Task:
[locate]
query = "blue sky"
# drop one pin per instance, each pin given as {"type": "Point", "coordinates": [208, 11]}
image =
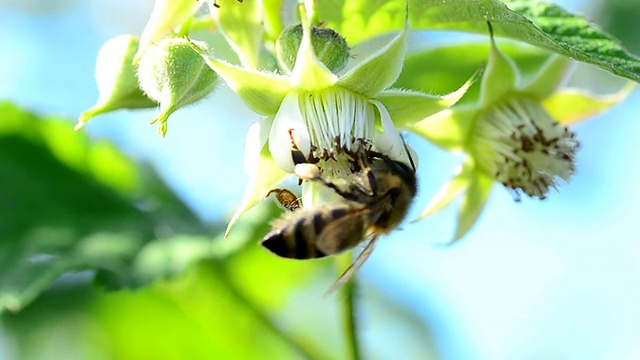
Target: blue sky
{"type": "Point", "coordinates": [536, 279]}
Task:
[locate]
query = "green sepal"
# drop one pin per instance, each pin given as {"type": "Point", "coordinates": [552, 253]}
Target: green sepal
{"type": "Point", "coordinates": [166, 16]}
{"type": "Point", "coordinates": [473, 202]}
{"type": "Point", "coordinates": [449, 191]}
{"type": "Point", "coordinates": [448, 129]}
{"type": "Point", "coordinates": [569, 106]}
{"type": "Point", "coordinates": [330, 48]}
{"type": "Point", "coordinates": [380, 70]}
{"type": "Point", "coordinates": [272, 17]}
{"type": "Point", "coordinates": [549, 77]}
{"type": "Point", "coordinates": [309, 73]}
{"type": "Point", "coordinates": [499, 78]}
{"type": "Point", "coordinates": [409, 107]}
{"type": "Point", "coordinates": [261, 91]}
{"type": "Point", "coordinates": [241, 25]}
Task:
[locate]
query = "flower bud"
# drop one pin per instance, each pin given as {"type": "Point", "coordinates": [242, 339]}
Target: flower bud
{"type": "Point", "coordinates": [116, 79]}
{"type": "Point", "coordinates": [330, 48]}
{"type": "Point", "coordinates": [173, 73]}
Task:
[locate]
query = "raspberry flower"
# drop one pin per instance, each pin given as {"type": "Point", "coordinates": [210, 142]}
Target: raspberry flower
{"type": "Point", "coordinates": [319, 112]}
{"type": "Point", "coordinates": [516, 134]}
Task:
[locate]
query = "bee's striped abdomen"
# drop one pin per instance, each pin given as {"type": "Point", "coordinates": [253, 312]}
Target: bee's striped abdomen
{"type": "Point", "coordinates": [296, 238]}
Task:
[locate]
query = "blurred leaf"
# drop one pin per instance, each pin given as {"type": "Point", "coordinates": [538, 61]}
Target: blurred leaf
{"type": "Point", "coordinates": [535, 22]}
{"type": "Point", "coordinates": [620, 17]}
{"type": "Point", "coordinates": [67, 204]}
{"type": "Point", "coordinates": [195, 316]}
{"type": "Point", "coordinates": [200, 314]}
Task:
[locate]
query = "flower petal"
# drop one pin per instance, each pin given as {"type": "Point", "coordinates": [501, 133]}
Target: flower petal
{"type": "Point", "coordinates": [448, 129]}
{"type": "Point", "coordinates": [449, 191]}
{"type": "Point", "coordinates": [389, 141]}
{"type": "Point", "coordinates": [473, 203]}
{"type": "Point", "coordinates": [288, 124]}
{"type": "Point", "coordinates": [261, 91]}
{"type": "Point", "coordinates": [309, 73]}
{"type": "Point", "coordinates": [569, 106]}
{"type": "Point", "coordinates": [500, 76]}
{"type": "Point", "coordinates": [380, 70]}
{"type": "Point", "coordinates": [256, 138]}
{"type": "Point", "coordinates": [409, 107]}
{"type": "Point", "coordinates": [549, 77]}
{"type": "Point", "coordinates": [263, 177]}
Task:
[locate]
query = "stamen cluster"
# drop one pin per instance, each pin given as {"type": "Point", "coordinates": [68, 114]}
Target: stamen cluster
{"type": "Point", "coordinates": [524, 148]}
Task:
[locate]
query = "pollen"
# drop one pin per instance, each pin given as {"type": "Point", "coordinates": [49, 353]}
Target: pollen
{"type": "Point", "coordinates": [525, 149]}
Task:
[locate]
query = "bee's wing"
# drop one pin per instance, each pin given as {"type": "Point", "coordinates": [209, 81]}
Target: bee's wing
{"type": "Point", "coordinates": [347, 274]}
{"type": "Point", "coordinates": [344, 232]}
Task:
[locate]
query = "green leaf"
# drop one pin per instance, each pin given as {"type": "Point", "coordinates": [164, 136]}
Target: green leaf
{"type": "Point", "coordinates": [535, 22]}
{"type": "Point", "coordinates": [573, 36]}
{"type": "Point", "coordinates": [241, 25]}
{"type": "Point", "coordinates": [68, 205]}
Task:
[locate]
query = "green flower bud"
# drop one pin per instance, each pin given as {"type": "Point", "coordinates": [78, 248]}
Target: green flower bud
{"type": "Point", "coordinates": [173, 73]}
{"type": "Point", "coordinates": [330, 48]}
{"type": "Point", "coordinates": [116, 79]}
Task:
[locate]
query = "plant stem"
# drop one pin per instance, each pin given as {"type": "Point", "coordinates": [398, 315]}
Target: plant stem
{"type": "Point", "coordinates": [349, 313]}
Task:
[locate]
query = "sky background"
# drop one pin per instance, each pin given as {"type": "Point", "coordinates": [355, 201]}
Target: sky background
{"type": "Point", "coordinates": [537, 279]}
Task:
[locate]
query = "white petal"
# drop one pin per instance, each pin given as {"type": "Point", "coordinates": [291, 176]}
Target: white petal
{"type": "Point", "coordinates": [389, 142]}
{"type": "Point", "coordinates": [288, 123]}
{"type": "Point", "coordinates": [256, 137]}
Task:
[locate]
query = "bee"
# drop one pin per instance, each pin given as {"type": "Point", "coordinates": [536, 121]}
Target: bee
{"type": "Point", "coordinates": [375, 203]}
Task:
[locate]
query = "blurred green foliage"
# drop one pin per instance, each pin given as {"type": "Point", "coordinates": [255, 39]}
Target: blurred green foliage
{"type": "Point", "coordinates": [79, 220]}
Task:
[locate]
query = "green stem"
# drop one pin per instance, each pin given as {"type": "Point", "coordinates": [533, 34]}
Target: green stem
{"type": "Point", "coordinates": [350, 323]}
{"type": "Point", "coordinates": [349, 311]}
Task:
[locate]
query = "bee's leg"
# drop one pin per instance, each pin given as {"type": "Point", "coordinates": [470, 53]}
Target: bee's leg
{"type": "Point", "coordinates": [367, 182]}
{"type": "Point", "coordinates": [311, 172]}
{"type": "Point", "coordinates": [357, 263]}
{"type": "Point", "coordinates": [285, 198]}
